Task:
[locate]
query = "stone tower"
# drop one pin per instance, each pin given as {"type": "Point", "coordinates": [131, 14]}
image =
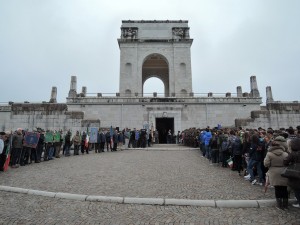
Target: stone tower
{"type": "Point", "coordinates": [155, 48]}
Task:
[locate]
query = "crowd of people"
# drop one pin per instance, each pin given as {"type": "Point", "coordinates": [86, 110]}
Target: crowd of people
{"type": "Point", "coordinates": [54, 144]}
{"type": "Point", "coordinates": [260, 155]}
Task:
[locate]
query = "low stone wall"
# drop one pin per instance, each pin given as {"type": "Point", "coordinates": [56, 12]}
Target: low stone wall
{"type": "Point", "coordinates": [45, 115]}
{"type": "Point", "coordinates": [277, 115]}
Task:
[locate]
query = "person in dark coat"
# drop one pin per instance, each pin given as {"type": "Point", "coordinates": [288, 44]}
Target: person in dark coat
{"type": "Point", "coordinates": [68, 143]}
{"type": "Point", "coordinates": [115, 140]}
{"type": "Point", "coordinates": [102, 140]}
{"type": "Point", "coordinates": [294, 157]}
{"type": "Point", "coordinates": [83, 140]}
{"type": "Point", "coordinates": [255, 160]}
{"type": "Point", "coordinates": [108, 140]}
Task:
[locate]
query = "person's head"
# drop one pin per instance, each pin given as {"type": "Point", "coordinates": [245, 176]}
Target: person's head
{"type": "Point", "coordinates": [280, 141]}
{"type": "Point", "coordinates": [290, 131]}
{"type": "Point", "coordinates": [2, 134]}
{"type": "Point", "coordinates": [295, 144]}
{"type": "Point", "coordinates": [255, 139]}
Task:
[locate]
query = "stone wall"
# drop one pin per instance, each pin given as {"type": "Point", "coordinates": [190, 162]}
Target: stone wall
{"type": "Point", "coordinates": [45, 115]}
{"type": "Point", "coordinates": [187, 112]}
{"type": "Point", "coordinates": [276, 115]}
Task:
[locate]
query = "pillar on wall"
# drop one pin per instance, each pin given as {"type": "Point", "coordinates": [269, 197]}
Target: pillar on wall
{"type": "Point", "coordinates": [228, 95]}
{"type": "Point", "coordinates": [254, 89]}
{"type": "Point", "coordinates": [73, 87]}
{"type": "Point", "coordinates": [53, 95]}
{"type": "Point", "coordinates": [83, 91]}
{"type": "Point", "coordinates": [269, 94]}
{"type": "Point", "coordinates": [239, 92]}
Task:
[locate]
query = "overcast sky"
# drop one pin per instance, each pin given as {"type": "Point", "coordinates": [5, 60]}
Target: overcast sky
{"type": "Point", "coordinates": [44, 43]}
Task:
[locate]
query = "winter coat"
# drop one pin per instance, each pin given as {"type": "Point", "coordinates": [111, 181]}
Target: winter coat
{"type": "Point", "coordinates": [236, 146]}
{"type": "Point", "coordinates": [107, 137]}
{"type": "Point", "coordinates": [294, 157]}
{"type": "Point", "coordinates": [214, 143]}
{"type": "Point", "coordinates": [207, 136]}
{"type": "Point", "coordinates": [115, 138]}
{"type": "Point", "coordinates": [274, 161]}
{"type": "Point", "coordinates": [256, 152]}
{"type": "Point", "coordinates": [76, 139]}
{"type": "Point", "coordinates": [17, 141]}
{"type": "Point", "coordinates": [101, 137]}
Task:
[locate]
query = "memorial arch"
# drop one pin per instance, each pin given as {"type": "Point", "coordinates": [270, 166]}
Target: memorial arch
{"type": "Point", "coordinates": [155, 49]}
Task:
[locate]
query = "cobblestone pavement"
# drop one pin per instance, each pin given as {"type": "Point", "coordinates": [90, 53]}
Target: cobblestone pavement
{"type": "Point", "coordinates": [178, 173]}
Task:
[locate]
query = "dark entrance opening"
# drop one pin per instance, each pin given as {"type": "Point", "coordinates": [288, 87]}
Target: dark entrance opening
{"type": "Point", "coordinates": [162, 126]}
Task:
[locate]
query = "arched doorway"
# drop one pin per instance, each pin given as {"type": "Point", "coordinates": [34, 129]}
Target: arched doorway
{"type": "Point", "coordinates": [156, 65]}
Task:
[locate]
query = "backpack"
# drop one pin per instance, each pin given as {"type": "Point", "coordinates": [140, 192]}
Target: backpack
{"type": "Point", "coordinates": [237, 146]}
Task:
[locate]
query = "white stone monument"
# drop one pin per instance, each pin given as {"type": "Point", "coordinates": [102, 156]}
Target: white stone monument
{"type": "Point", "coordinates": [158, 49]}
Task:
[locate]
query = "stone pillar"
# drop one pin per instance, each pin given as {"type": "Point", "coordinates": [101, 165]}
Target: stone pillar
{"type": "Point", "coordinates": [73, 87]}
{"type": "Point", "coordinates": [84, 89]}
{"type": "Point", "coordinates": [269, 94]}
{"type": "Point", "coordinates": [53, 95]}
{"type": "Point", "coordinates": [246, 95]}
{"type": "Point", "coordinates": [239, 92]}
{"type": "Point", "coordinates": [254, 89]}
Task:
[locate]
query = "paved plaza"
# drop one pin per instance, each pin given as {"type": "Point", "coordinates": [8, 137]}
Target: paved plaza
{"type": "Point", "coordinates": [157, 172]}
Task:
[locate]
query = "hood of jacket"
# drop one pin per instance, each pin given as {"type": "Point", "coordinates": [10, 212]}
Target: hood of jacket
{"type": "Point", "coordinates": [277, 150]}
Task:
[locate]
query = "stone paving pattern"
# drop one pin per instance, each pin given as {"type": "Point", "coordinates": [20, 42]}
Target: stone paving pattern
{"type": "Point", "coordinates": [178, 173]}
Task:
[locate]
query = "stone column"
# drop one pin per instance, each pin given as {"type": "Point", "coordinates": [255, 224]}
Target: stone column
{"type": "Point", "coordinates": [239, 92]}
{"type": "Point", "coordinates": [53, 95]}
{"type": "Point", "coordinates": [84, 89]}
{"type": "Point", "coordinates": [254, 89]}
{"type": "Point", "coordinates": [73, 87]}
{"type": "Point", "coordinates": [269, 94]}
{"type": "Point", "coordinates": [246, 95]}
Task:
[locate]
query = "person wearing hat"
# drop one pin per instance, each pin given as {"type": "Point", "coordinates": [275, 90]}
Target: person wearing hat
{"type": "Point", "coordinates": [294, 157]}
{"type": "Point", "coordinates": [274, 161]}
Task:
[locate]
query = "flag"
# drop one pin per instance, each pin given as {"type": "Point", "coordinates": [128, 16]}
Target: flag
{"type": "Point", "coordinates": [7, 161]}
{"type": "Point", "coordinates": [230, 162]}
